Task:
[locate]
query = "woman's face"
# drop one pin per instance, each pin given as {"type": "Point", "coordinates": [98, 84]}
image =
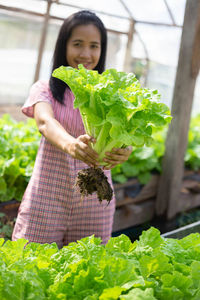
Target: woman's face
{"type": "Point", "coordinates": [84, 47]}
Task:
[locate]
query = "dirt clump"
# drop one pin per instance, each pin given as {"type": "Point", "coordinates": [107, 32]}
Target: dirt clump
{"type": "Point", "coordinates": [93, 180]}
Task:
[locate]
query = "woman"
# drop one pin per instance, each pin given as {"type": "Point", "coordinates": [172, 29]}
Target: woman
{"type": "Point", "coordinates": [51, 209]}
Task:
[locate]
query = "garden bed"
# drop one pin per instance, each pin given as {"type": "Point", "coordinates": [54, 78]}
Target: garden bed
{"type": "Point", "coordinates": [153, 267]}
{"type": "Point", "coordinates": [133, 210]}
{"type": "Point", "coordinates": [8, 214]}
{"type": "Point", "coordinates": [135, 203]}
{"type": "Point", "coordinates": [135, 199]}
{"type": "Point", "coordinates": [10, 208]}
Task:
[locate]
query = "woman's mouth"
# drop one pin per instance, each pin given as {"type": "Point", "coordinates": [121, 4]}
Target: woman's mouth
{"type": "Point", "coordinates": [85, 64]}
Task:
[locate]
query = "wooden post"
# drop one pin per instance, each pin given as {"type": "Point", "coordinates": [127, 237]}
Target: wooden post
{"type": "Point", "coordinates": [188, 66]}
{"type": "Point", "coordinates": [128, 55]}
{"type": "Point", "coordinates": [42, 41]}
{"type": "Point", "coordinates": [196, 51]}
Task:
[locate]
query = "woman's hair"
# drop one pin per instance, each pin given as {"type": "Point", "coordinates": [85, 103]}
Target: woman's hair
{"type": "Point", "coordinates": [83, 17]}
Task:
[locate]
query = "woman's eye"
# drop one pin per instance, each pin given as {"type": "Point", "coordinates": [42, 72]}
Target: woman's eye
{"type": "Point", "coordinates": [77, 44]}
{"type": "Point", "coordinates": [94, 46]}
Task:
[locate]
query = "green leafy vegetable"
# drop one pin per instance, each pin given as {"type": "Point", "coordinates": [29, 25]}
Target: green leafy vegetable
{"type": "Point", "coordinates": [151, 268]}
{"type": "Point", "coordinates": [19, 142]}
{"type": "Point", "coordinates": [148, 159]}
{"type": "Point", "coordinates": [143, 161]}
{"type": "Point", "coordinates": [192, 157]}
{"type": "Point", "coordinates": [115, 109]}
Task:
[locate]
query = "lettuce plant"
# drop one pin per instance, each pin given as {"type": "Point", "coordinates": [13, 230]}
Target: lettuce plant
{"type": "Point", "coordinates": [192, 156]}
{"type": "Point", "coordinates": [150, 268]}
{"type": "Point", "coordinates": [148, 159]}
{"type": "Point", "coordinates": [115, 109]}
{"type": "Point", "coordinates": [143, 161]}
{"type": "Point", "coordinates": [19, 143]}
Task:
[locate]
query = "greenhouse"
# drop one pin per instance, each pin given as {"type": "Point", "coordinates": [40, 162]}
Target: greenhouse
{"type": "Point", "coordinates": [125, 225]}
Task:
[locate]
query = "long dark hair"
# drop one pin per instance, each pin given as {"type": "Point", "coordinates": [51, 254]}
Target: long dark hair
{"type": "Point", "coordinates": [83, 17]}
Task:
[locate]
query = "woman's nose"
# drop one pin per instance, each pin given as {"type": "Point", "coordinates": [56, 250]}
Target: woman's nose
{"type": "Point", "coordinates": [85, 52]}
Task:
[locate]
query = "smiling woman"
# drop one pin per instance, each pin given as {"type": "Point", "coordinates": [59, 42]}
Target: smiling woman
{"type": "Point", "coordinates": [52, 210]}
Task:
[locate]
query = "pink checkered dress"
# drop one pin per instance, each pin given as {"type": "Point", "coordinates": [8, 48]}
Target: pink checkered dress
{"type": "Point", "coordinates": [51, 209]}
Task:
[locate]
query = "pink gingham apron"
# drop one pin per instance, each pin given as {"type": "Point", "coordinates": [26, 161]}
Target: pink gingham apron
{"type": "Point", "coordinates": [51, 209]}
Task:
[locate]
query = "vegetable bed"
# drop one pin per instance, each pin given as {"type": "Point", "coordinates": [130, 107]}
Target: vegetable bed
{"type": "Point", "coordinates": [152, 267]}
{"type": "Point", "coordinates": [19, 142]}
{"type": "Point", "coordinates": [147, 160]}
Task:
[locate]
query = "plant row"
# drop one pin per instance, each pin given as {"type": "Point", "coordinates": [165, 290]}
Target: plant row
{"type": "Point", "coordinates": [19, 143]}
{"type": "Point", "coordinates": [150, 268]}
{"type": "Point", "coordinates": [146, 160]}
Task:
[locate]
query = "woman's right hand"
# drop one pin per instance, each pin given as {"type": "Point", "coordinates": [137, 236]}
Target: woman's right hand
{"type": "Point", "coordinates": [80, 148]}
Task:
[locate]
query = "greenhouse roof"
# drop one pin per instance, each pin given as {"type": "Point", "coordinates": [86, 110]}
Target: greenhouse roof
{"type": "Point", "coordinates": [156, 22]}
{"type": "Point", "coordinates": [167, 12]}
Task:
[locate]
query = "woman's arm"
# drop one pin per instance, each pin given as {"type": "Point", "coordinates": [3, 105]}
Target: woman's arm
{"type": "Point", "coordinates": [54, 132]}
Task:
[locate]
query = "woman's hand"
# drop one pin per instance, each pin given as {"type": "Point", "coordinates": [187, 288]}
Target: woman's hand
{"type": "Point", "coordinates": [116, 156]}
{"type": "Point", "coordinates": [80, 148]}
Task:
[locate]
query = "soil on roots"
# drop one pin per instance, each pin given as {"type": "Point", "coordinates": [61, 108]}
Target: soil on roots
{"type": "Point", "coordinates": [93, 180]}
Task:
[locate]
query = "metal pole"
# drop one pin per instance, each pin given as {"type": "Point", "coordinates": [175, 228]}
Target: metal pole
{"type": "Point", "coordinates": [128, 55]}
{"type": "Point", "coordinates": [42, 41]}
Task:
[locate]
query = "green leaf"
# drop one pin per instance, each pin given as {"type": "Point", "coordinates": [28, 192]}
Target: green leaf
{"type": "Point", "coordinates": [121, 178]}
{"type": "Point", "coordinates": [3, 186]}
{"type": "Point", "coordinates": [195, 268]}
{"type": "Point", "coordinates": [151, 237]}
{"type": "Point", "coordinates": [178, 281]}
{"type": "Point", "coordinates": [121, 244]}
{"type": "Point", "coordinates": [1, 242]}
{"type": "Point", "coordinates": [138, 294]}
{"type": "Point", "coordinates": [156, 264]}
{"type": "Point", "coordinates": [111, 293]}
{"type": "Point", "coordinates": [144, 178]}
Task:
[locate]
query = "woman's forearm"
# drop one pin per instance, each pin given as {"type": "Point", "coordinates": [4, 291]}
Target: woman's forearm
{"type": "Point", "coordinates": [50, 128]}
{"type": "Point", "coordinates": [53, 131]}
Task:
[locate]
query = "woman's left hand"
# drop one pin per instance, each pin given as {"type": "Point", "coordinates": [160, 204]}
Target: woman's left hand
{"type": "Point", "coordinates": [116, 156]}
